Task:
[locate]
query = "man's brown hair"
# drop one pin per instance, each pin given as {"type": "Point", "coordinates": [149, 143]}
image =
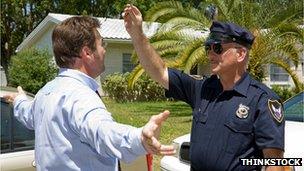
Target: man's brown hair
{"type": "Point", "coordinates": [70, 36]}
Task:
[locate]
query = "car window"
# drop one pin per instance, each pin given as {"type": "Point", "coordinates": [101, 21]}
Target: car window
{"type": "Point", "coordinates": [294, 108]}
{"type": "Point", "coordinates": [14, 136]}
{"type": "Point", "coordinates": [5, 126]}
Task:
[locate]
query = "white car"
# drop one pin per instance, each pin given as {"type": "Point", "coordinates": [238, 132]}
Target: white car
{"type": "Point", "coordinates": [294, 139]}
{"type": "Point", "coordinates": [17, 143]}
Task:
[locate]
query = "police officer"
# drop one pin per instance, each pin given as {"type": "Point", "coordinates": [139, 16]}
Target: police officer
{"type": "Point", "coordinates": [234, 116]}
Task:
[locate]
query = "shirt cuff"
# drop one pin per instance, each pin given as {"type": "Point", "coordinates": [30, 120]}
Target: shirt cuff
{"type": "Point", "coordinates": [137, 145]}
{"type": "Point", "coordinates": [19, 99]}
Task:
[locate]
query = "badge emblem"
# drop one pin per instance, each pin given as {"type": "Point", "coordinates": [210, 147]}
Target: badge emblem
{"type": "Point", "coordinates": [242, 111]}
{"type": "Point", "coordinates": [275, 109]}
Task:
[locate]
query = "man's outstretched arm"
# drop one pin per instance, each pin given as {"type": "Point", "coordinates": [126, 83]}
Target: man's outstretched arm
{"type": "Point", "coordinates": [22, 107]}
{"type": "Point", "coordinates": [148, 57]}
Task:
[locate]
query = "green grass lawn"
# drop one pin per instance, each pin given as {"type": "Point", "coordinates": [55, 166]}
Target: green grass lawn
{"type": "Point", "coordinates": [138, 113]}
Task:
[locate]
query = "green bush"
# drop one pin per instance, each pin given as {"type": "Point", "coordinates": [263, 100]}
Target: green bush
{"type": "Point", "coordinates": [31, 69]}
{"type": "Point", "coordinates": [283, 92]}
{"type": "Point", "coordinates": [145, 89]}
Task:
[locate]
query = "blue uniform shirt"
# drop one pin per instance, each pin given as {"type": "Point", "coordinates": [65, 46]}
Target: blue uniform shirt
{"type": "Point", "coordinates": [228, 125]}
{"type": "Point", "coordinates": [73, 129]}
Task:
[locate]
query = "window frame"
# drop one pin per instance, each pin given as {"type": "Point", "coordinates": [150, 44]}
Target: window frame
{"type": "Point", "coordinates": [281, 72]}
{"type": "Point", "coordinates": [130, 66]}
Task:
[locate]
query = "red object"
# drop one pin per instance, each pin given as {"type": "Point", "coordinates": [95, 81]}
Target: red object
{"type": "Point", "coordinates": [149, 158]}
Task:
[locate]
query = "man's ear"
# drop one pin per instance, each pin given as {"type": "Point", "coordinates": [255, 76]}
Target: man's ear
{"type": "Point", "coordinates": [85, 52]}
{"type": "Point", "coordinates": [241, 54]}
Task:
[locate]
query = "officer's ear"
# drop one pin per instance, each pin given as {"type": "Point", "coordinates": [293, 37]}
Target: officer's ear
{"type": "Point", "coordinates": [241, 53]}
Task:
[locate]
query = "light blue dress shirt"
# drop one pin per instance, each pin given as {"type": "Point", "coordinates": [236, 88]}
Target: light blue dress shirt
{"type": "Point", "coordinates": [73, 129]}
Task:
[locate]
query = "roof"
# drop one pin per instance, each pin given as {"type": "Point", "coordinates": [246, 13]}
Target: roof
{"type": "Point", "coordinates": [112, 29]}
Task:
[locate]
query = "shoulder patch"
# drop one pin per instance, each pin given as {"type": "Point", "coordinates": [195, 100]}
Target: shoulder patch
{"type": "Point", "coordinates": [276, 110]}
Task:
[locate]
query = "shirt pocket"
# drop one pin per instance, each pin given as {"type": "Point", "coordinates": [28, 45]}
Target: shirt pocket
{"type": "Point", "coordinates": [240, 134]}
{"type": "Point", "coordinates": [198, 125]}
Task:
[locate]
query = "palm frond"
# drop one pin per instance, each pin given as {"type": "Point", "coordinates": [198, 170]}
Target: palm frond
{"type": "Point", "coordinates": [134, 75]}
{"type": "Point", "coordinates": [164, 10]}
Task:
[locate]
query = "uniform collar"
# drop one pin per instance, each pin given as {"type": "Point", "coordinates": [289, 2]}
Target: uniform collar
{"type": "Point", "coordinates": [241, 85]}
{"type": "Point", "coordinates": [80, 76]}
{"type": "Point", "coordinates": [214, 82]}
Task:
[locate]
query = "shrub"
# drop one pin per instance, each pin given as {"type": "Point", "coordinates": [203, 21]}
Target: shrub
{"type": "Point", "coordinates": [283, 92]}
{"type": "Point", "coordinates": [31, 69]}
{"type": "Point", "coordinates": [145, 89]}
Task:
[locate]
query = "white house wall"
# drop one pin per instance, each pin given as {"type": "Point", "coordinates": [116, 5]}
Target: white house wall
{"type": "Point", "coordinates": [113, 59]}
{"type": "Point", "coordinates": [114, 51]}
{"type": "Point", "coordinates": [45, 41]}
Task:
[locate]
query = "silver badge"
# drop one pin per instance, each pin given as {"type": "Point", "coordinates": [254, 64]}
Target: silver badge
{"type": "Point", "coordinates": [242, 111]}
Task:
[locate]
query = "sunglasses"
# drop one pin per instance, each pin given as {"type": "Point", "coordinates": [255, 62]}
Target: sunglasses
{"type": "Point", "coordinates": [216, 47]}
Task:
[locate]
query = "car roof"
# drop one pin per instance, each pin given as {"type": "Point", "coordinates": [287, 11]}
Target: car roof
{"type": "Point", "coordinates": [290, 101]}
{"type": "Point", "coordinates": [6, 90]}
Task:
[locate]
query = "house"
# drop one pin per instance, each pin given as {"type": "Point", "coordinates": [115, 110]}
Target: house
{"type": "Point", "coordinates": [119, 45]}
{"type": "Point", "coordinates": [120, 48]}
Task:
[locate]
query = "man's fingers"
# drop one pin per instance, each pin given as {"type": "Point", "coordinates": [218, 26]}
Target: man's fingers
{"type": "Point", "coordinates": [7, 98]}
{"type": "Point", "coordinates": [158, 119]}
{"type": "Point", "coordinates": [10, 97]}
{"type": "Point", "coordinates": [164, 150]}
{"type": "Point", "coordinates": [167, 148]}
{"type": "Point", "coordinates": [20, 90]}
{"type": "Point", "coordinates": [135, 10]}
{"type": "Point", "coordinates": [167, 153]}
{"type": "Point", "coordinates": [131, 13]}
{"type": "Point", "coordinates": [155, 143]}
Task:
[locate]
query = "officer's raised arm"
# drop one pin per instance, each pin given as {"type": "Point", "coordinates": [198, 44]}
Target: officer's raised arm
{"type": "Point", "coordinates": [148, 57]}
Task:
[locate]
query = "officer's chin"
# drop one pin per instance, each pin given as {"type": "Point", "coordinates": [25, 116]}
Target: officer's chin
{"type": "Point", "coordinates": [214, 70]}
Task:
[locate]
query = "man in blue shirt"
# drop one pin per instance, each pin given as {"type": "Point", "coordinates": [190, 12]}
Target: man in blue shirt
{"type": "Point", "coordinates": [234, 116]}
{"type": "Point", "coordinates": [73, 129]}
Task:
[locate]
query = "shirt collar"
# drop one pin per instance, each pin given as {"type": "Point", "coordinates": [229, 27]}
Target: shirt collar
{"type": "Point", "coordinates": [214, 82]}
{"type": "Point", "coordinates": [80, 76]}
{"type": "Point", "coordinates": [242, 85]}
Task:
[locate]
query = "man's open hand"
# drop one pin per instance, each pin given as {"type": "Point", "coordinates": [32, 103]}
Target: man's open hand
{"type": "Point", "coordinates": [150, 135]}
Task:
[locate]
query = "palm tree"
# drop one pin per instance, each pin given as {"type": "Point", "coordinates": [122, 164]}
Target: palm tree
{"type": "Point", "coordinates": [177, 47]}
{"type": "Point", "coordinates": [274, 26]}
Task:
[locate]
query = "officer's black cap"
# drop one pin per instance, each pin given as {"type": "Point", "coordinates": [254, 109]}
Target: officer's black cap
{"type": "Point", "coordinates": [221, 32]}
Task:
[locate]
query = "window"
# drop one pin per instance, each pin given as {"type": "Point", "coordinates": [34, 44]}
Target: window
{"type": "Point", "coordinates": [278, 74]}
{"type": "Point", "coordinates": [14, 136]}
{"type": "Point", "coordinates": [127, 65]}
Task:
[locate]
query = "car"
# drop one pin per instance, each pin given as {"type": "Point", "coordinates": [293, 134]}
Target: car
{"type": "Point", "coordinates": [294, 139]}
{"type": "Point", "coordinates": [18, 142]}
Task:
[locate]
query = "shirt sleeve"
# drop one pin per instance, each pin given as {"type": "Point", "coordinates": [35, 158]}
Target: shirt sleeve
{"type": "Point", "coordinates": [269, 125]}
{"type": "Point", "coordinates": [23, 111]}
{"type": "Point", "coordinates": [181, 86]}
{"type": "Point", "coordinates": [96, 127]}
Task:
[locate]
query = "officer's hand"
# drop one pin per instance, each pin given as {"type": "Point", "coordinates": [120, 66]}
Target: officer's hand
{"type": "Point", "coordinates": [133, 21]}
{"type": "Point", "coordinates": [11, 97]}
{"type": "Point", "coordinates": [150, 135]}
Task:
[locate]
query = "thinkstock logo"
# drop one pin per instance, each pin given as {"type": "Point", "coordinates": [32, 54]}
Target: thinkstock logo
{"type": "Point", "coordinates": [272, 162]}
